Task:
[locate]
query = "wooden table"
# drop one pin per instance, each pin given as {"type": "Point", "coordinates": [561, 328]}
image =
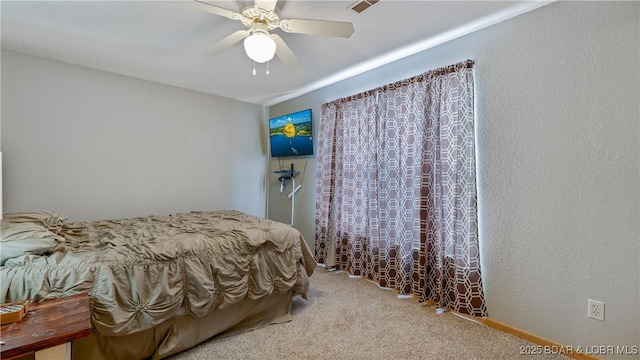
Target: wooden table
{"type": "Point", "coordinates": [48, 329]}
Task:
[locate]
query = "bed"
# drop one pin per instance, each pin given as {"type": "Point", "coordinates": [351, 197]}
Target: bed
{"type": "Point", "coordinates": [159, 284]}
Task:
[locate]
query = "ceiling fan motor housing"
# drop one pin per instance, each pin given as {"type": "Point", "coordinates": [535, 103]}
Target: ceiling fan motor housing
{"type": "Point", "coordinates": [253, 15]}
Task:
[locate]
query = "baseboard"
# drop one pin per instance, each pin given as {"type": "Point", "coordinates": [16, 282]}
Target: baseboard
{"type": "Point", "coordinates": [545, 345]}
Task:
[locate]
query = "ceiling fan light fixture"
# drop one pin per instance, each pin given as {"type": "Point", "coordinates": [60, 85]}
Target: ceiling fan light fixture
{"type": "Point", "coordinates": [260, 47]}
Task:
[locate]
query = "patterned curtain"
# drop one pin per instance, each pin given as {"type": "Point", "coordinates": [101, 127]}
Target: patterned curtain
{"type": "Point", "coordinates": [396, 188]}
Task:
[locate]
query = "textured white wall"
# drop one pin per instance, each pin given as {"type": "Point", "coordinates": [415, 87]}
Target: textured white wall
{"type": "Point", "coordinates": [558, 97]}
{"type": "Point", "coordinates": [94, 145]}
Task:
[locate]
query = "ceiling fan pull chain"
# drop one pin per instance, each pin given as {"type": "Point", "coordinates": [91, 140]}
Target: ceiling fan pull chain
{"type": "Point", "coordinates": [254, 67]}
{"type": "Point", "coordinates": [268, 67]}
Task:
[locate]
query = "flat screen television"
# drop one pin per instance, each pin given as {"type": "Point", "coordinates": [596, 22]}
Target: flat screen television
{"type": "Point", "coordinates": [291, 134]}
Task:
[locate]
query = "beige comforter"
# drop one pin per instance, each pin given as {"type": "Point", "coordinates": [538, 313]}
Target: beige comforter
{"type": "Point", "coordinates": [141, 272]}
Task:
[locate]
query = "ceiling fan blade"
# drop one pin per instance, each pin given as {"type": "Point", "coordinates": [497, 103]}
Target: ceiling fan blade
{"type": "Point", "coordinates": [205, 6]}
{"type": "Point", "coordinates": [283, 52]}
{"type": "Point", "coordinates": [317, 27]}
{"type": "Point", "coordinates": [268, 5]}
{"type": "Point", "coordinates": [228, 42]}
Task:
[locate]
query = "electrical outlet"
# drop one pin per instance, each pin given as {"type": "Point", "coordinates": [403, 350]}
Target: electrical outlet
{"type": "Point", "coordinates": [596, 309]}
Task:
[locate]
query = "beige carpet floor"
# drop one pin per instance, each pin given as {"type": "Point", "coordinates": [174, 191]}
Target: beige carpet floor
{"type": "Point", "coordinates": [347, 318]}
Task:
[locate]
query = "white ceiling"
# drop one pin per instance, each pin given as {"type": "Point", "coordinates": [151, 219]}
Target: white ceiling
{"type": "Point", "coordinates": [165, 41]}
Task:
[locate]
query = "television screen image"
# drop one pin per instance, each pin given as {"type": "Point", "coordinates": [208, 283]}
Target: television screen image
{"type": "Point", "coordinates": [291, 135]}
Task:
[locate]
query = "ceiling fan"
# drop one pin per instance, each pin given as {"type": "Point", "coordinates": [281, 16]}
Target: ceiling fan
{"type": "Point", "coordinates": [261, 45]}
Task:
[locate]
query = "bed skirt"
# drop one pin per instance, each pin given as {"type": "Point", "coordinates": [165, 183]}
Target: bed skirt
{"type": "Point", "coordinates": [184, 332]}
